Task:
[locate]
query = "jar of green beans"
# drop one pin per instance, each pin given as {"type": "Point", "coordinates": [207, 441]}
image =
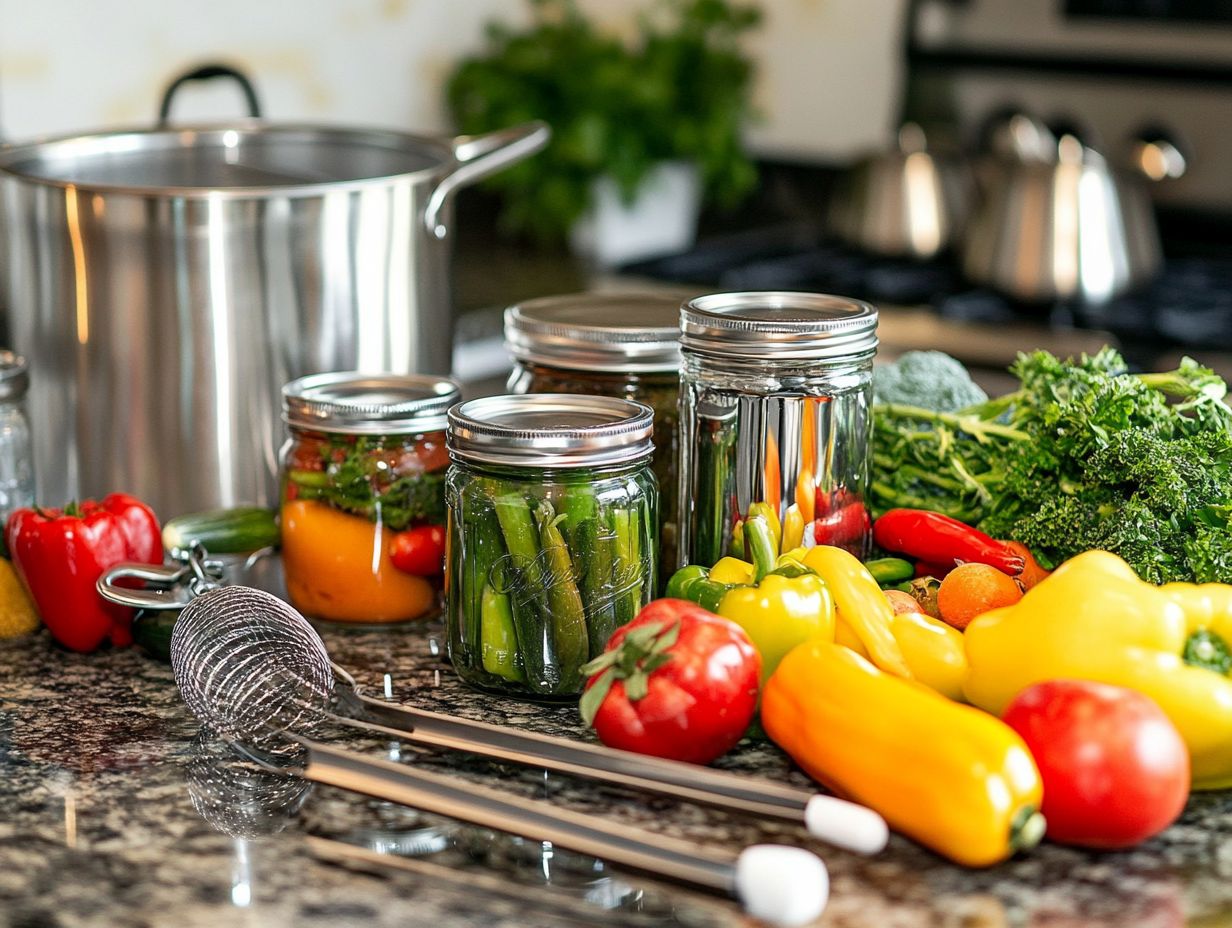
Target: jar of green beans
{"type": "Point", "coordinates": [552, 508]}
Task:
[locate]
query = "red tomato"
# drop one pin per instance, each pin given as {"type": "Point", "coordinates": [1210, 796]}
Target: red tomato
{"type": "Point", "coordinates": [1115, 769]}
{"type": "Point", "coordinates": [419, 551]}
{"type": "Point", "coordinates": [677, 682]}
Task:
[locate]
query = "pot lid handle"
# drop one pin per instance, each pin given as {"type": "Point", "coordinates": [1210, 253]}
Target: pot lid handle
{"type": "Point", "coordinates": [208, 72]}
{"type": "Point", "coordinates": [477, 157]}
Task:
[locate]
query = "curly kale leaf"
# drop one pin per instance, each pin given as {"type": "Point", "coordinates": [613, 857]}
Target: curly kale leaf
{"type": "Point", "coordinates": [1083, 455]}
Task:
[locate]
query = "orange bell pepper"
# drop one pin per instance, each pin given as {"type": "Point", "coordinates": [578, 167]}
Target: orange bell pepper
{"type": "Point", "coordinates": [338, 568]}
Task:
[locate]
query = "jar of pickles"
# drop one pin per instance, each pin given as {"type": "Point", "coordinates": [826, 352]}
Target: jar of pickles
{"type": "Point", "coordinates": [613, 344]}
{"type": "Point", "coordinates": [552, 507]}
{"type": "Point", "coordinates": [775, 420]}
{"type": "Point", "coordinates": [363, 495]}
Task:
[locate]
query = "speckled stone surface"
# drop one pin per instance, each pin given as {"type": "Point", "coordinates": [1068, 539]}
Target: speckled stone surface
{"type": "Point", "coordinates": [115, 812]}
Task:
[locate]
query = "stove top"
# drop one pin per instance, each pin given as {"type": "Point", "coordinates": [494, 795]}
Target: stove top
{"type": "Point", "coordinates": [1188, 305]}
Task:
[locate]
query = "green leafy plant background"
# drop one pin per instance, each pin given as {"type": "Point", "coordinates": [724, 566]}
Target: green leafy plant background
{"type": "Point", "coordinates": [678, 90]}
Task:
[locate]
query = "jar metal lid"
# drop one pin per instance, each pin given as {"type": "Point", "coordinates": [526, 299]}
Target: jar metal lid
{"type": "Point", "coordinates": [355, 403]}
{"type": "Point", "coordinates": [14, 376]}
{"type": "Point", "coordinates": [607, 332]}
{"type": "Point", "coordinates": [778, 325]}
{"type": "Point", "coordinates": [550, 430]}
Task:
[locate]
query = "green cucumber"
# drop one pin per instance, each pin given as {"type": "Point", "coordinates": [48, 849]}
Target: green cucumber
{"type": "Point", "coordinates": [223, 531]}
{"type": "Point", "coordinates": [152, 631]}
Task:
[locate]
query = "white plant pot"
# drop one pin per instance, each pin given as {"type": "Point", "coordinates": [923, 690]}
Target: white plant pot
{"type": "Point", "coordinates": [661, 220]}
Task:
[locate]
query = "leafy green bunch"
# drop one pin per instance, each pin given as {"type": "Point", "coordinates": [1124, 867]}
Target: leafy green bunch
{"type": "Point", "coordinates": [1083, 455]}
{"type": "Point", "coordinates": [680, 90]}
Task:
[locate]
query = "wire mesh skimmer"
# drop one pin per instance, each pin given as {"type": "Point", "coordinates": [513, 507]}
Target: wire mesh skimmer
{"type": "Point", "coordinates": [253, 669]}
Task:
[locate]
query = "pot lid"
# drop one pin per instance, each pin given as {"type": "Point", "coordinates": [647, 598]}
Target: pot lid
{"type": "Point", "coordinates": [778, 325]}
{"type": "Point", "coordinates": [550, 430]}
{"type": "Point", "coordinates": [247, 159]}
{"type": "Point", "coordinates": [354, 403]}
{"type": "Point", "coordinates": [635, 332]}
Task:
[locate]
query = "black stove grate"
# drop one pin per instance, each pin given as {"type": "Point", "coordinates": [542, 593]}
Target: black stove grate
{"type": "Point", "coordinates": [1188, 305]}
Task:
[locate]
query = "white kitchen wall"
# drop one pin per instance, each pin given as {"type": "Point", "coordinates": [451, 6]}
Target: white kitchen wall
{"type": "Point", "coordinates": [827, 88]}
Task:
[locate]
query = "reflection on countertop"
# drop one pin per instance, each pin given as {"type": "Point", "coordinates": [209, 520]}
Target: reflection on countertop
{"type": "Point", "coordinates": [113, 811]}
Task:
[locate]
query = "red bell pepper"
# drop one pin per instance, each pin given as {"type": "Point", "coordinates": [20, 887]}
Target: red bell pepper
{"type": "Point", "coordinates": [60, 554]}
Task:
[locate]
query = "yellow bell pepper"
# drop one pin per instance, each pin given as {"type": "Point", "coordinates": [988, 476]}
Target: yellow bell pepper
{"type": "Point", "coordinates": [1093, 619]}
{"type": "Point", "coordinates": [861, 605]}
{"type": "Point", "coordinates": [780, 613]}
{"type": "Point", "coordinates": [934, 651]}
{"type": "Point", "coordinates": [950, 776]}
{"type": "Point", "coordinates": [779, 606]}
{"type": "Point", "coordinates": [732, 570]}
{"type": "Point", "coordinates": [771, 515]}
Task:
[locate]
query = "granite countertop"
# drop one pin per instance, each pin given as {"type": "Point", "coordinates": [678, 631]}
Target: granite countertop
{"type": "Point", "coordinates": [116, 811]}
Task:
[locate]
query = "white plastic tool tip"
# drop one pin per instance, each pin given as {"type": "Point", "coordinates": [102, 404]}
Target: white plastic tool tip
{"type": "Point", "coordinates": [846, 824]}
{"type": "Point", "coordinates": [782, 885]}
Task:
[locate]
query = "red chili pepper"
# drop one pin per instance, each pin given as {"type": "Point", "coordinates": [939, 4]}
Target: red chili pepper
{"type": "Point", "coordinates": [842, 521]}
{"type": "Point", "coordinates": [420, 550]}
{"type": "Point", "coordinates": [60, 554]}
{"type": "Point", "coordinates": [936, 538]}
{"type": "Point", "coordinates": [925, 569]}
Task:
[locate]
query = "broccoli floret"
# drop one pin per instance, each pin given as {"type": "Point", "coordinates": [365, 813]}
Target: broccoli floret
{"type": "Point", "coordinates": [926, 379]}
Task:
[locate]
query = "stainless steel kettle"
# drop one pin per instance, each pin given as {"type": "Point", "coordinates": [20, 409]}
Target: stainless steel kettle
{"type": "Point", "coordinates": [1058, 222]}
{"type": "Point", "coordinates": [905, 202]}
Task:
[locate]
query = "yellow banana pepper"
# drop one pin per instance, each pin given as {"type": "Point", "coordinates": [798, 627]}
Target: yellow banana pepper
{"type": "Point", "coordinates": [950, 776]}
{"type": "Point", "coordinates": [793, 529]}
{"type": "Point", "coordinates": [860, 604]}
{"type": "Point", "coordinates": [1093, 619]}
{"type": "Point", "coordinates": [933, 650]}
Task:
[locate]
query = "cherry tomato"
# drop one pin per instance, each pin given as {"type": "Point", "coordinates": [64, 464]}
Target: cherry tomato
{"type": "Point", "coordinates": [677, 682]}
{"type": "Point", "coordinates": [420, 550]}
{"type": "Point", "coordinates": [1115, 769]}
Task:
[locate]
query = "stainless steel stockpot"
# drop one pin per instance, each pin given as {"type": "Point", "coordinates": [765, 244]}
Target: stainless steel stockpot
{"type": "Point", "coordinates": [165, 283]}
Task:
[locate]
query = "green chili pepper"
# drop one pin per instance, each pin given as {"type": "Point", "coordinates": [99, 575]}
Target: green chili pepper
{"type": "Point", "coordinates": [889, 571]}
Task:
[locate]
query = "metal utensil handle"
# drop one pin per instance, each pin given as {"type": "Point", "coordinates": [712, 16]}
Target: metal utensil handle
{"type": "Point", "coordinates": [479, 156]}
{"type": "Point", "coordinates": [208, 72]}
{"type": "Point", "coordinates": [172, 586]}
{"type": "Point", "coordinates": [674, 778]}
{"type": "Point", "coordinates": [669, 857]}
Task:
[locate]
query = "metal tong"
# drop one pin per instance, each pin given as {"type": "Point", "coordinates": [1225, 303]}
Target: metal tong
{"type": "Point", "coordinates": [836, 821]}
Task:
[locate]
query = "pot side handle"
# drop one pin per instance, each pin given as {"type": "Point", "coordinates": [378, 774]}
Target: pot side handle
{"type": "Point", "coordinates": [479, 156]}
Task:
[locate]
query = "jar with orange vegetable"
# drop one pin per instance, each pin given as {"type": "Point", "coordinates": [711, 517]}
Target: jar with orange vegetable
{"type": "Point", "coordinates": [363, 506]}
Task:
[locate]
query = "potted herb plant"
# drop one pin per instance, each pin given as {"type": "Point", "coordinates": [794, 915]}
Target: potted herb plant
{"type": "Point", "coordinates": [637, 124]}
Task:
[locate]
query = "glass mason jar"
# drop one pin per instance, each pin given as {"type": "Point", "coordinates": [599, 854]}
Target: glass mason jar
{"type": "Point", "coordinates": [16, 470]}
{"type": "Point", "coordinates": [775, 418]}
{"type": "Point", "coordinates": [363, 495]}
{"type": "Point", "coordinates": [552, 507]}
{"type": "Point", "coordinates": [613, 344]}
